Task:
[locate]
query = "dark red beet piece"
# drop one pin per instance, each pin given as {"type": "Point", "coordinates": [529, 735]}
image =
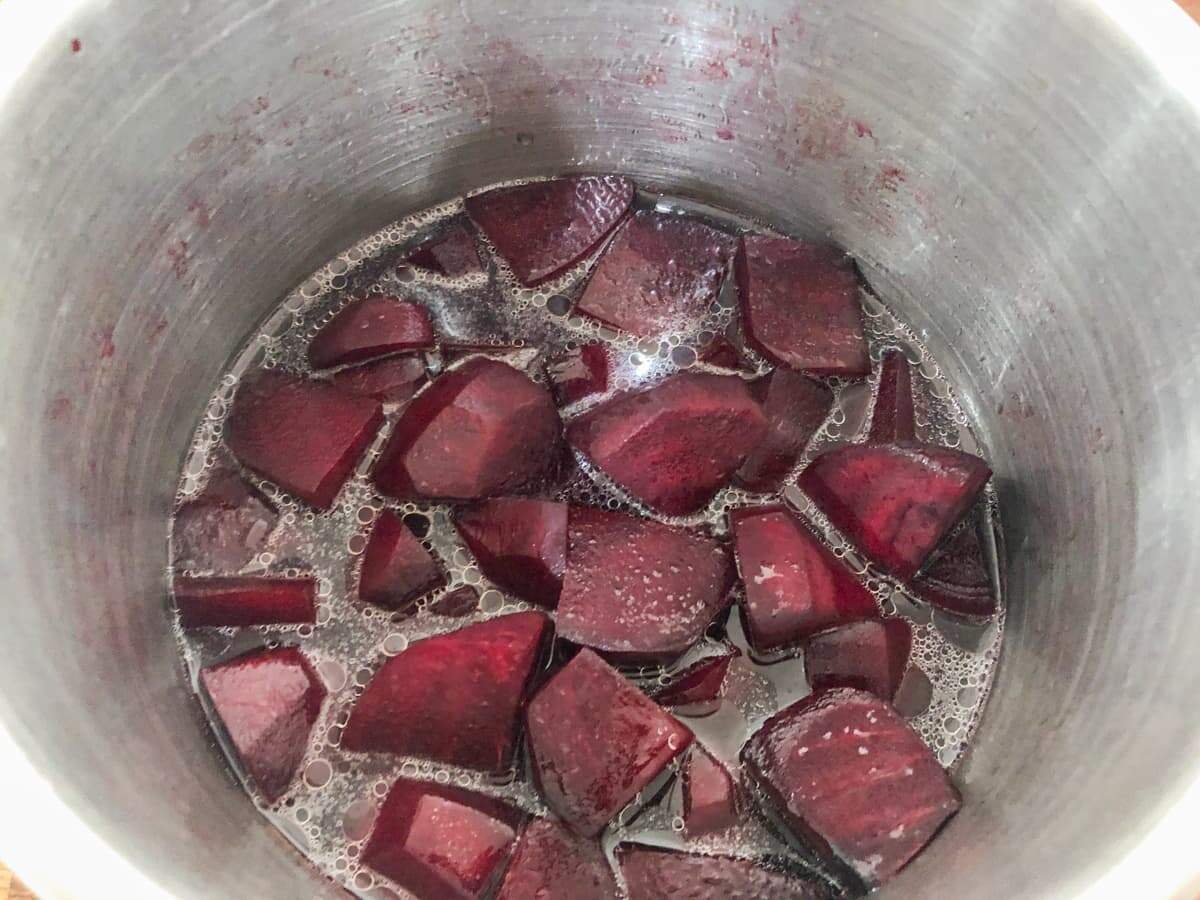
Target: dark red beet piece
{"type": "Point", "coordinates": [453, 254]}
{"type": "Point", "coordinates": [710, 796]}
{"type": "Point", "coordinates": [697, 691]}
{"type": "Point", "coordinates": [480, 430]}
{"type": "Point", "coordinates": [800, 305]}
{"type": "Point", "coordinates": [894, 419]}
{"type": "Point", "coordinates": [847, 775]}
{"type": "Point", "coordinates": [305, 436]}
{"type": "Point", "coordinates": [546, 227]}
{"type": "Point", "coordinates": [595, 741]}
{"type": "Point", "coordinates": [267, 700]}
{"type": "Point", "coordinates": [224, 528]}
{"type": "Point", "coordinates": [637, 590]}
{"type": "Point", "coordinates": [441, 842]}
{"type": "Point", "coordinates": [550, 863]}
{"type": "Point", "coordinates": [656, 873]}
{"type": "Point", "coordinates": [675, 445]}
{"type": "Point", "coordinates": [579, 373]}
{"type": "Point", "coordinates": [895, 502]}
{"type": "Point", "coordinates": [870, 656]}
{"type": "Point", "coordinates": [520, 544]}
{"type": "Point", "coordinates": [396, 568]}
{"type": "Point", "coordinates": [455, 698]}
{"type": "Point", "coordinates": [659, 272]}
{"type": "Point", "coordinates": [457, 603]}
{"type": "Point", "coordinates": [795, 407]}
{"type": "Point", "coordinates": [957, 580]}
{"type": "Point", "coordinates": [393, 380]}
{"type": "Point", "coordinates": [795, 587]}
{"type": "Point", "coordinates": [371, 328]}
{"type": "Point", "coordinates": [719, 352]}
{"type": "Point", "coordinates": [248, 600]}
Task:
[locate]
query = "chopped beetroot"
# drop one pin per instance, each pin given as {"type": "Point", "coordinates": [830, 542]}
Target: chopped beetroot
{"type": "Point", "coordinates": [660, 272]}
{"type": "Point", "coordinates": [871, 656]}
{"type": "Point", "coordinates": [656, 873]}
{"type": "Point", "coordinates": [455, 698]}
{"type": "Point", "coordinates": [637, 590]}
{"type": "Point", "coordinates": [800, 306]}
{"type": "Point", "coordinates": [224, 528]}
{"type": "Point", "coordinates": [958, 580]}
{"type": "Point", "coordinates": [596, 741]}
{"type": "Point", "coordinates": [719, 352]}
{"type": "Point", "coordinates": [392, 381]}
{"type": "Point", "coordinates": [305, 436]}
{"type": "Point", "coordinates": [441, 842]}
{"type": "Point", "coordinates": [480, 430]}
{"type": "Point", "coordinates": [457, 603]}
{"type": "Point", "coordinates": [697, 690]}
{"type": "Point", "coordinates": [550, 863]}
{"type": "Point", "coordinates": [520, 544]}
{"type": "Point", "coordinates": [267, 700]}
{"type": "Point", "coordinates": [370, 328]}
{"type": "Point", "coordinates": [545, 227]}
{"type": "Point", "coordinates": [795, 407]}
{"type": "Point", "coordinates": [675, 445]}
{"type": "Point", "coordinates": [795, 586]}
{"type": "Point", "coordinates": [847, 775]}
{"type": "Point", "coordinates": [453, 253]}
{"type": "Point", "coordinates": [396, 567]}
{"type": "Point", "coordinates": [895, 501]}
{"type": "Point", "coordinates": [579, 372]}
{"type": "Point", "coordinates": [243, 601]}
{"type": "Point", "coordinates": [894, 419]}
{"type": "Point", "coordinates": [710, 795]}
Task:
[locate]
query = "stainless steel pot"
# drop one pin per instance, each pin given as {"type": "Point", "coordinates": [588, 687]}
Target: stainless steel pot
{"type": "Point", "coordinates": [1021, 177]}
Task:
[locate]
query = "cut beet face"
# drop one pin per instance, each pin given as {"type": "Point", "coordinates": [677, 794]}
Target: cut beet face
{"type": "Point", "coordinates": [795, 407]}
{"type": "Point", "coordinates": [800, 306]}
{"type": "Point", "coordinates": [697, 690]}
{"type": "Point", "coordinates": [457, 603]}
{"type": "Point", "coordinates": [392, 381]}
{"type": "Point", "coordinates": [660, 272]}
{"type": "Point", "coordinates": [441, 842]}
{"type": "Point", "coordinates": [546, 227]}
{"type": "Point", "coordinates": [870, 656]}
{"type": "Point", "coordinates": [595, 741]}
{"type": "Point", "coordinates": [396, 567]}
{"type": "Point", "coordinates": [675, 445]}
{"type": "Point", "coordinates": [958, 579]}
{"type": "Point", "coordinates": [452, 254]}
{"type": "Point", "coordinates": [224, 528]}
{"type": "Point", "coordinates": [639, 591]}
{"type": "Point", "coordinates": [894, 419]}
{"type": "Point", "coordinates": [550, 863]}
{"type": "Point", "coordinates": [656, 873]}
{"type": "Point", "coordinates": [710, 795]}
{"type": "Point", "coordinates": [847, 775]}
{"type": "Point", "coordinates": [455, 698]}
{"type": "Point", "coordinates": [370, 328]}
{"type": "Point", "coordinates": [795, 586]}
{"type": "Point", "coordinates": [267, 700]}
{"type": "Point", "coordinates": [519, 544]}
{"type": "Point", "coordinates": [579, 372]}
{"type": "Point", "coordinates": [895, 501]}
{"type": "Point", "coordinates": [719, 352]}
{"type": "Point", "coordinates": [480, 430]}
{"type": "Point", "coordinates": [242, 601]}
{"type": "Point", "coordinates": [303, 435]}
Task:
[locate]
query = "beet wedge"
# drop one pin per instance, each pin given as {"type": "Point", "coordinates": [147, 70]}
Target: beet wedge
{"type": "Point", "coordinates": [370, 328]}
{"type": "Point", "coordinates": [656, 873]}
{"type": "Point", "coordinates": [396, 567]}
{"type": "Point", "coordinates": [482, 429]}
{"type": "Point", "coordinates": [800, 306]}
{"type": "Point", "coordinates": [795, 406]}
{"type": "Point", "coordinates": [675, 445]}
{"type": "Point", "coordinates": [958, 578]}
{"type": "Point", "coordinates": [660, 272]}
{"type": "Point", "coordinates": [710, 795]}
{"type": "Point", "coordinates": [223, 528]}
{"type": "Point", "coordinates": [639, 591]}
{"type": "Point", "coordinates": [895, 502]}
{"type": "Point", "coordinates": [721, 353]}
{"type": "Point", "coordinates": [240, 601]}
{"type": "Point", "coordinates": [894, 419]}
{"type": "Point", "coordinates": [520, 544]}
{"type": "Point", "coordinates": [456, 698]}
{"type": "Point", "coordinates": [848, 776]}
{"type": "Point", "coordinates": [596, 741]}
{"type": "Point", "coordinates": [305, 436]}
{"type": "Point", "coordinates": [267, 700]}
{"type": "Point", "coordinates": [550, 863]}
{"type": "Point", "coordinates": [456, 604]}
{"type": "Point", "coordinates": [579, 372]}
{"type": "Point", "coordinates": [545, 227]}
{"type": "Point", "coordinates": [697, 690]}
{"type": "Point", "coordinates": [391, 381]}
{"type": "Point", "coordinates": [453, 254]}
{"type": "Point", "coordinates": [870, 656]}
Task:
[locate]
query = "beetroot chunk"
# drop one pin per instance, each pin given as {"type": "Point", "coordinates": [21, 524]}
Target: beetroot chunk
{"type": "Point", "coordinates": [720, 352]}
{"type": "Point", "coordinates": [795, 407]}
{"type": "Point", "coordinates": [595, 741]}
{"type": "Point", "coordinates": [519, 544]}
{"type": "Point", "coordinates": [441, 842]}
{"type": "Point", "coordinates": [958, 580]}
{"type": "Point", "coordinates": [249, 600]}
{"type": "Point", "coordinates": [396, 568]}
{"type": "Point", "coordinates": [800, 306]}
{"type": "Point", "coordinates": [267, 700]}
{"type": "Point", "coordinates": [392, 381]}
{"type": "Point", "coordinates": [895, 501]}
{"type": "Point", "coordinates": [455, 698]}
{"type": "Point", "coordinates": [223, 528]}
{"type": "Point", "coordinates": [675, 445]}
{"type": "Point", "coordinates": [452, 254]}
{"type": "Point", "coordinates": [579, 373]}
{"type": "Point", "coordinates": [456, 603]}
{"type": "Point", "coordinates": [794, 586]}
{"type": "Point", "coordinates": [697, 691]}
{"type": "Point", "coordinates": [303, 435]}
{"type": "Point", "coordinates": [370, 328]}
{"type": "Point", "coordinates": [480, 430]}
{"type": "Point", "coordinates": [849, 776]}
{"type": "Point", "coordinates": [710, 797]}
{"type": "Point", "coordinates": [660, 272]}
{"type": "Point", "coordinates": [550, 863]}
{"type": "Point", "coordinates": [656, 873]}
{"type": "Point", "coordinates": [894, 419]}
{"type": "Point", "coordinates": [870, 656]}
{"type": "Point", "coordinates": [546, 227]}
{"type": "Point", "coordinates": [637, 590]}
